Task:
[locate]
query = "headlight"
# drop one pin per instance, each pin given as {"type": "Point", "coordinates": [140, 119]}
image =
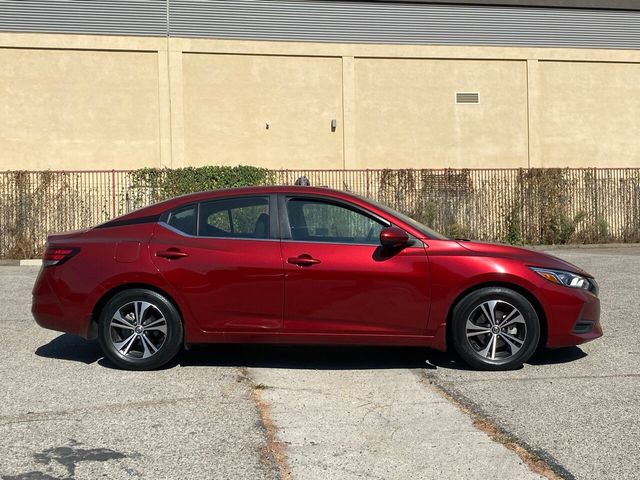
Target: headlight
{"type": "Point", "coordinates": [568, 279]}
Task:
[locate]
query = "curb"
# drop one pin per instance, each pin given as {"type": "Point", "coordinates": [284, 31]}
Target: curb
{"type": "Point", "coordinates": [32, 262]}
{"type": "Point", "coordinates": [583, 246]}
{"type": "Point", "coordinates": [29, 262]}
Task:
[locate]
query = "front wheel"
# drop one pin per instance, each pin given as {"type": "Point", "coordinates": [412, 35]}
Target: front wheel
{"type": "Point", "coordinates": [140, 330]}
{"type": "Point", "coordinates": [495, 328]}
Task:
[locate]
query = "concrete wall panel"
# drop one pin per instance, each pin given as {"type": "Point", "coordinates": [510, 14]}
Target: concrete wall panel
{"type": "Point", "coordinates": [73, 109]}
{"type": "Point", "coordinates": [407, 116]}
{"type": "Point", "coordinates": [116, 102]}
{"type": "Point", "coordinates": [229, 101]}
{"type": "Point", "coordinates": [588, 114]}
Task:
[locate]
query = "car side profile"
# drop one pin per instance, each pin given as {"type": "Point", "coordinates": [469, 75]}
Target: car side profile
{"type": "Point", "coordinates": [304, 265]}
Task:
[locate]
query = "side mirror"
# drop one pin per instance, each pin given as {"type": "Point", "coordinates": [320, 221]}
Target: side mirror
{"type": "Point", "coordinates": [394, 237]}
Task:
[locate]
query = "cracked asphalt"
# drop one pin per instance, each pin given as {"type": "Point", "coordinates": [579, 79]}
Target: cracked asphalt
{"type": "Point", "coordinates": [579, 406]}
{"type": "Point", "coordinates": [319, 412]}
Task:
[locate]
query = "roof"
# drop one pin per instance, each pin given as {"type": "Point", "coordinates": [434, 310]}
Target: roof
{"type": "Point", "coordinates": [153, 212]}
{"type": "Point", "coordinates": [158, 208]}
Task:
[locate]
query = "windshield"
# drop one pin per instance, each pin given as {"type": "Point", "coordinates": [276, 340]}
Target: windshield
{"type": "Point", "coordinates": [408, 220]}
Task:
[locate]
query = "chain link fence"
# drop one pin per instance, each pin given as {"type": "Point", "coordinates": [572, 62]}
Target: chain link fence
{"type": "Point", "coordinates": [520, 206]}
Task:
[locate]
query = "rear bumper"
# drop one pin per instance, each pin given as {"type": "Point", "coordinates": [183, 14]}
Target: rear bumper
{"type": "Point", "coordinates": [50, 312]}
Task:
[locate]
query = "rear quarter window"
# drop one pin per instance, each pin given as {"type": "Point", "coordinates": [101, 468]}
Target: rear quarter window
{"type": "Point", "coordinates": [184, 219]}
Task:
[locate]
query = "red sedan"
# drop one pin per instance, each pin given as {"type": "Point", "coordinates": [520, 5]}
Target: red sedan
{"type": "Point", "coordinates": [304, 265]}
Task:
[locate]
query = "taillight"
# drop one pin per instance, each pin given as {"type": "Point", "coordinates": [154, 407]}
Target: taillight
{"type": "Point", "coordinates": [58, 255]}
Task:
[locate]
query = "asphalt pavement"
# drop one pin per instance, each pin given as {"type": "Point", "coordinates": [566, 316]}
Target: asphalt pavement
{"type": "Point", "coordinates": [321, 412]}
{"type": "Point", "coordinates": [578, 407]}
{"type": "Point", "coordinates": [65, 413]}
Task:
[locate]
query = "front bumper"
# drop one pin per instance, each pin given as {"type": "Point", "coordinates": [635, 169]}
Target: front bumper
{"type": "Point", "coordinates": [573, 316]}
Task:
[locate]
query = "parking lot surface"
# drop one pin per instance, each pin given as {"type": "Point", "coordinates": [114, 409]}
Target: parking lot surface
{"type": "Point", "coordinates": [292, 412]}
{"type": "Point", "coordinates": [65, 415]}
{"type": "Point", "coordinates": [580, 407]}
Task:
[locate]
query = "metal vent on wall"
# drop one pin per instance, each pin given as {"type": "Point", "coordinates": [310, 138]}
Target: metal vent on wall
{"type": "Point", "coordinates": [467, 97]}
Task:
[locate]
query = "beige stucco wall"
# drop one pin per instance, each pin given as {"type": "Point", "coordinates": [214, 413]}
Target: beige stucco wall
{"type": "Point", "coordinates": [406, 113]}
{"type": "Point", "coordinates": [103, 102]}
{"type": "Point", "coordinates": [229, 100]}
{"type": "Point", "coordinates": [589, 114]}
{"type": "Point", "coordinates": [74, 109]}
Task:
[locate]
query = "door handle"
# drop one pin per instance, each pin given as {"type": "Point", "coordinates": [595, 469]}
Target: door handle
{"type": "Point", "coordinates": [303, 260]}
{"type": "Point", "coordinates": [171, 254]}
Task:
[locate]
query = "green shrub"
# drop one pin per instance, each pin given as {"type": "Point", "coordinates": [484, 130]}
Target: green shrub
{"type": "Point", "coordinates": [456, 230]}
{"type": "Point", "coordinates": [155, 184]}
{"type": "Point", "coordinates": [514, 226]}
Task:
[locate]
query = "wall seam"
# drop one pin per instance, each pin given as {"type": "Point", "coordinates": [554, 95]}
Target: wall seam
{"type": "Point", "coordinates": [528, 117]}
{"type": "Point", "coordinates": [344, 122]}
{"type": "Point", "coordinates": [168, 43]}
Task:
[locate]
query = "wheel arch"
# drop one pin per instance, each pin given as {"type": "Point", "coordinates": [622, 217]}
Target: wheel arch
{"type": "Point", "coordinates": [511, 286]}
{"type": "Point", "coordinates": [109, 294]}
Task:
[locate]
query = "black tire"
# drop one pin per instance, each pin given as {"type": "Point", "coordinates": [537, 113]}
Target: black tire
{"type": "Point", "coordinates": [121, 338]}
{"type": "Point", "coordinates": [474, 333]}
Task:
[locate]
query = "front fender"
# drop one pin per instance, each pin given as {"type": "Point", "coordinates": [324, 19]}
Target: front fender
{"type": "Point", "coordinates": [450, 284]}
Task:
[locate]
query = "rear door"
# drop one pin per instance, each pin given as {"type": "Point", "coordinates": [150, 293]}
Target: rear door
{"type": "Point", "coordinates": [339, 279]}
{"type": "Point", "coordinates": [224, 258]}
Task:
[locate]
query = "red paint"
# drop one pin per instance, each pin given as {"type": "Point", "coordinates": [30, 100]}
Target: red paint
{"type": "Point", "coordinates": [356, 289]}
{"type": "Point", "coordinates": [224, 284]}
{"type": "Point", "coordinates": [282, 291]}
{"type": "Point", "coordinates": [394, 237]}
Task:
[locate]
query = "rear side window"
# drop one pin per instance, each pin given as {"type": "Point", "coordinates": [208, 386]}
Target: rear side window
{"type": "Point", "coordinates": [184, 219]}
{"type": "Point", "coordinates": [241, 217]}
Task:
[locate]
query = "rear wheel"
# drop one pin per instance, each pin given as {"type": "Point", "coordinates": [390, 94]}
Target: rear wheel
{"type": "Point", "coordinates": [495, 328]}
{"type": "Point", "coordinates": [140, 330]}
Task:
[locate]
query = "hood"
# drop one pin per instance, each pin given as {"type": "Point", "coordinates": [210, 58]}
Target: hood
{"type": "Point", "coordinates": [534, 258]}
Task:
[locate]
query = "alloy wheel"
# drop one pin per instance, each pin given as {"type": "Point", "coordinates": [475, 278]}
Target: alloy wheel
{"type": "Point", "coordinates": [496, 330]}
{"type": "Point", "coordinates": [138, 330]}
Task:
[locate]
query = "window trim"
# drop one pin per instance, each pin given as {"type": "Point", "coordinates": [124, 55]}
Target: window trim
{"type": "Point", "coordinates": [175, 230]}
{"type": "Point", "coordinates": [285, 227]}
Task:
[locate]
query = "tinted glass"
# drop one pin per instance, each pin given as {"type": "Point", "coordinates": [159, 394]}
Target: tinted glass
{"type": "Point", "coordinates": [429, 232]}
{"type": "Point", "coordinates": [318, 221]}
{"type": "Point", "coordinates": [242, 217]}
{"type": "Point", "coordinates": [184, 219]}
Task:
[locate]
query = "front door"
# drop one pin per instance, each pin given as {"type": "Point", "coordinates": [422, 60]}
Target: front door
{"type": "Point", "coordinates": [224, 258]}
{"type": "Point", "coordinates": [338, 277]}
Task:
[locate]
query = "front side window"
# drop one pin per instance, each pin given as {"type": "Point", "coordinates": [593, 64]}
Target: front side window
{"type": "Point", "coordinates": [319, 221]}
{"type": "Point", "coordinates": [428, 232]}
{"type": "Point", "coordinates": [242, 217]}
{"type": "Point", "coordinates": [184, 219]}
